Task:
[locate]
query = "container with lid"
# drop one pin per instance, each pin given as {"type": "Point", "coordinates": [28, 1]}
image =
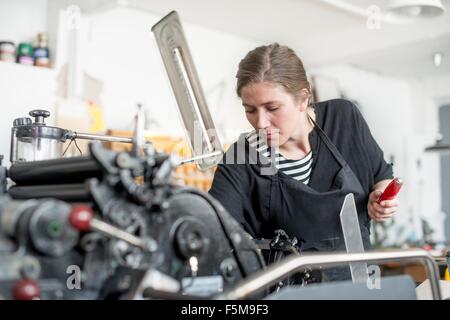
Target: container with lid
{"type": "Point", "coordinates": [33, 141]}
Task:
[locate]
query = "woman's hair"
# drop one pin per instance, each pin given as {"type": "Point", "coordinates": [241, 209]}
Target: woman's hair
{"type": "Point", "coordinates": [276, 64]}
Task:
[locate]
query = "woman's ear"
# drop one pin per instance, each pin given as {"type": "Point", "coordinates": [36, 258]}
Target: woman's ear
{"type": "Point", "coordinates": [303, 99]}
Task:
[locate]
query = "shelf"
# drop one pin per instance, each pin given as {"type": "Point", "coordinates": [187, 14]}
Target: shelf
{"type": "Point", "coordinates": [17, 67]}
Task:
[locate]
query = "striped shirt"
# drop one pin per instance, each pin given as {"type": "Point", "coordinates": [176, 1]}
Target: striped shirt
{"type": "Point", "coordinates": [299, 170]}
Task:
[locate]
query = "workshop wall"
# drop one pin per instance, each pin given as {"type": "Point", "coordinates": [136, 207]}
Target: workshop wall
{"type": "Point", "coordinates": [121, 54]}
{"type": "Point", "coordinates": [437, 87]}
{"type": "Point", "coordinates": [22, 88]}
{"type": "Point", "coordinates": [19, 19]}
{"type": "Point", "coordinates": [444, 119]}
{"type": "Point", "coordinates": [403, 118]}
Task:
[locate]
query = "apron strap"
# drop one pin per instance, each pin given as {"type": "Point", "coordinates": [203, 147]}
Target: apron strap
{"type": "Point", "coordinates": [334, 151]}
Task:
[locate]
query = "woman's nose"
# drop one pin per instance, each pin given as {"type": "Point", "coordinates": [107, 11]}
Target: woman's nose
{"type": "Point", "coordinates": [262, 122]}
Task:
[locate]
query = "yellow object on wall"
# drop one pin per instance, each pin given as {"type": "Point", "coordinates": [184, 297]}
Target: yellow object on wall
{"type": "Point", "coordinates": [97, 120]}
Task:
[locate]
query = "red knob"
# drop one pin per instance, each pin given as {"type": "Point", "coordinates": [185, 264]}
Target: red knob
{"type": "Point", "coordinates": [26, 289]}
{"type": "Point", "coordinates": [81, 217]}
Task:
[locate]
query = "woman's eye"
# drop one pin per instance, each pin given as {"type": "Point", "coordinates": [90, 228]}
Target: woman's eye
{"type": "Point", "coordinates": [249, 111]}
{"type": "Point", "coordinates": [272, 109]}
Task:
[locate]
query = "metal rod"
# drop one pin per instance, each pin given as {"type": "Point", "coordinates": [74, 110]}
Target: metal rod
{"type": "Point", "coordinates": [89, 136]}
{"type": "Point", "coordinates": [118, 233]}
{"type": "Point", "coordinates": [208, 155]}
{"type": "Point", "coordinates": [100, 137]}
{"type": "Point", "coordinates": [279, 271]}
{"type": "Point", "coordinates": [138, 135]}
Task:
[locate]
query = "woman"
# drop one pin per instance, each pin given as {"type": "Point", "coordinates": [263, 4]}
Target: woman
{"type": "Point", "coordinates": [320, 152]}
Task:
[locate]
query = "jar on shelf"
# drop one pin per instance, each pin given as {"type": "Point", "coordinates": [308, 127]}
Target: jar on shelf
{"type": "Point", "coordinates": [7, 51]}
{"type": "Point", "coordinates": [25, 54]}
{"type": "Point", "coordinates": [41, 52]}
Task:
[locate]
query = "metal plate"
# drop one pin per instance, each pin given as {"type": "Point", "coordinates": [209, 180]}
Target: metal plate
{"type": "Point", "coordinates": [353, 238]}
{"type": "Point", "coordinates": [188, 92]}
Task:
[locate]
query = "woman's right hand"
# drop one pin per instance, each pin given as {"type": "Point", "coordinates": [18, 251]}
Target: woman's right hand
{"type": "Point", "coordinates": [381, 212]}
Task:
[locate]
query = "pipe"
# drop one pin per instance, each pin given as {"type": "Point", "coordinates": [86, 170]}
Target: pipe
{"type": "Point", "coordinates": [276, 272]}
{"type": "Point", "coordinates": [99, 137]}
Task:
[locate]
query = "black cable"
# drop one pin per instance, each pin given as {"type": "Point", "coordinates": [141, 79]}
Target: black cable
{"type": "Point", "coordinates": [76, 145]}
{"type": "Point", "coordinates": [67, 148]}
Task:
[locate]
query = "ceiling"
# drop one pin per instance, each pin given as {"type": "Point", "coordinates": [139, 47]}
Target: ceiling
{"type": "Point", "coordinates": [321, 33]}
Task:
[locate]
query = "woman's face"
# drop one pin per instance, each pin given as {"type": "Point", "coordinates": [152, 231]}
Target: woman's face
{"type": "Point", "coordinates": [273, 112]}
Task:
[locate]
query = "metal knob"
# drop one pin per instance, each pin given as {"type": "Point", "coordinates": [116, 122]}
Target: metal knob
{"type": "Point", "coordinates": [39, 116]}
{"type": "Point", "coordinates": [26, 289]}
{"type": "Point", "coordinates": [22, 122]}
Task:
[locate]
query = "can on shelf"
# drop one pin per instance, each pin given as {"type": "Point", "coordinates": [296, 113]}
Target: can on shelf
{"type": "Point", "coordinates": [25, 54]}
{"type": "Point", "coordinates": [41, 52]}
{"type": "Point", "coordinates": [25, 49]}
{"type": "Point", "coordinates": [42, 62]}
{"type": "Point", "coordinates": [7, 51]}
{"type": "Point", "coordinates": [26, 60]}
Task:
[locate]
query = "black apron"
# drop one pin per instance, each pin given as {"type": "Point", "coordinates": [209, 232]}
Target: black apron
{"type": "Point", "coordinates": [312, 216]}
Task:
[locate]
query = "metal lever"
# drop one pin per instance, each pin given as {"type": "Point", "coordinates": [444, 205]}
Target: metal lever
{"type": "Point", "coordinates": [82, 218]}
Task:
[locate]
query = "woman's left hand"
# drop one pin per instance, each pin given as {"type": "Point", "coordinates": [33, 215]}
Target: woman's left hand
{"type": "Point", "coordinates": [383, 211]}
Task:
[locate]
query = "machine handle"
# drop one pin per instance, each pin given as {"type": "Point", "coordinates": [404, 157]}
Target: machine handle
{"type": "Point", "coordinates": [39, 115]}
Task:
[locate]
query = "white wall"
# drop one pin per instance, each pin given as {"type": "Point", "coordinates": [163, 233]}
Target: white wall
{"type": "Point", "coordinates": [120, 52]}
{"type": "Point", "coordinates": [22, 88]}
{"type": "Point", "coordinates": [22, 20]}
{"type": "Point", "coordinates": [404, 120]}
{"type": "Point", "coordinates": [436, 86]}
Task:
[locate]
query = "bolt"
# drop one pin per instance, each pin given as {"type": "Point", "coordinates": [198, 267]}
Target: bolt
{"type": "Point", "coordinates": [236, 237]}
{"type": "Point", "coordinates": [124, 283]}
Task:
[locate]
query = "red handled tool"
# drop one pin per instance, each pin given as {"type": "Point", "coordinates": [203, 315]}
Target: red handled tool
{"type": "Point", "coordinates": [391, 190]}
